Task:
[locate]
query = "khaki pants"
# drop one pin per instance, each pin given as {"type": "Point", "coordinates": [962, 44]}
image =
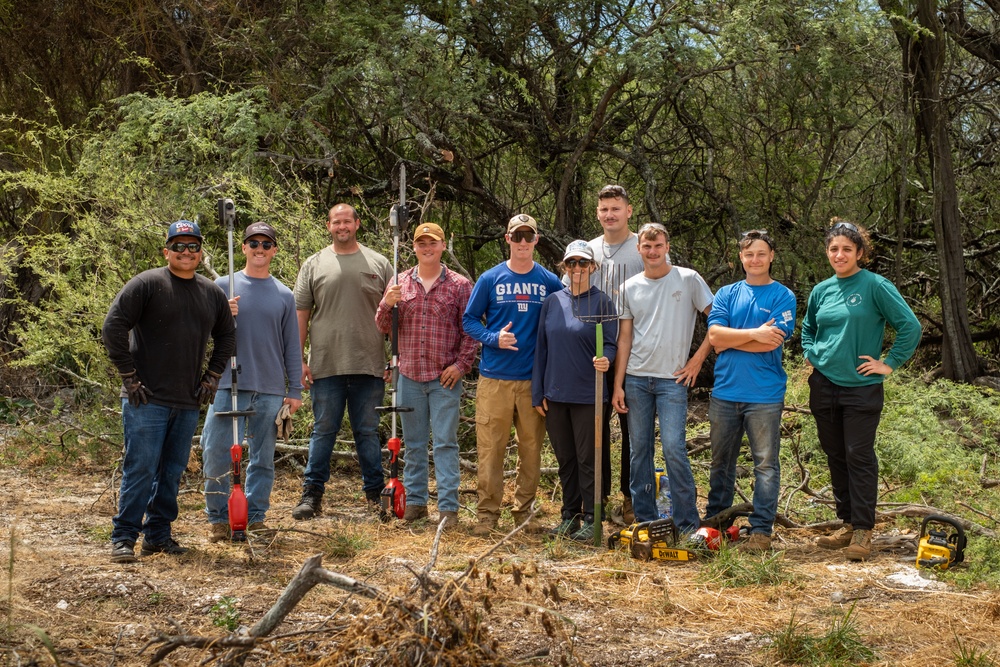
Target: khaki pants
{"type": "Point", "coordinates": [499, 404]}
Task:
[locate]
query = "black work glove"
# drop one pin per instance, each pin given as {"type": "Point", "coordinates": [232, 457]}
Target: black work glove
{"type": "Point", "coordinates": [137, 392]}
{"type": "Point", "coordinates": [205, 391]}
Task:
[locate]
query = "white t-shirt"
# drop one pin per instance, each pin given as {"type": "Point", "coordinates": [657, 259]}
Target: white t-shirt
{"type": "Point", "coordinates": [663, 313]}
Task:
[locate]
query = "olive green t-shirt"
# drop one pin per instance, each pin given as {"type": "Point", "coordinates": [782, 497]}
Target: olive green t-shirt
{"type": "Point", "coordinates": [343, 292]}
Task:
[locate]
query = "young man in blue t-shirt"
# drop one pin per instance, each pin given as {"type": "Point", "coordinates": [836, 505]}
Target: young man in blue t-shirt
{"type": "Point", "coordinates": [749, 323]}
{"type": "Point", "coordinates": [502, 314]}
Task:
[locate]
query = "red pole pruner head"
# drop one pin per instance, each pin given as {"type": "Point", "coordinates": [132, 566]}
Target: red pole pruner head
{"type": "Point", "coordinates": [237, 499]}
{"type": "Point", "coordinates": [394, 493]}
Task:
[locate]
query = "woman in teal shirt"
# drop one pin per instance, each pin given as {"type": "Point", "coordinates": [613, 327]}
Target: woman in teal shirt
{"type": "Point", "coordinates": [842, 336]}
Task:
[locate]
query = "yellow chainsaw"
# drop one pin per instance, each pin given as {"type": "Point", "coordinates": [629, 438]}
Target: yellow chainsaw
{"type": "Point", "coordinates": [649, 540]}
{"type": "Point", "coordinates": [938, 550]}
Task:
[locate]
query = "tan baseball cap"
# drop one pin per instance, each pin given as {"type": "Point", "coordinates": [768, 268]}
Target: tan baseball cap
{"type": "Point", "coordinates": [522, 220]}
{"type": "Point", "coordinates": [429, 229]}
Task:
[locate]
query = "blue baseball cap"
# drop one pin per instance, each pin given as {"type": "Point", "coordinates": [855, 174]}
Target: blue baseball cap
{"type": "Point", "coordinates": [184, 228]}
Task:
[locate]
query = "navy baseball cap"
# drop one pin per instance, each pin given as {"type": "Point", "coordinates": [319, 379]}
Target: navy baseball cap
{"type": "Point", "coordinates": [261, 228]}
{"type": "Point", "coordinates": [184, 228]}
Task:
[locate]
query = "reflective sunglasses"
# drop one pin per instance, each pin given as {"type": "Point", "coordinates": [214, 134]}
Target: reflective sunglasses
{"type": "Point", "coordinates": [847, 225]}
{"type": "Point", "coordinates": [255, 243]}
{"type": "Point", "coordinates": [522, 235]}
{"type": "Point", "coordinates": [573, 263]}
{"type": "Point", "coordinates": [194, 246]}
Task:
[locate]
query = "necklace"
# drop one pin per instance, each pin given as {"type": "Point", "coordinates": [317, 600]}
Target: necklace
{"type": "Point", "coordinates": [605, 245]}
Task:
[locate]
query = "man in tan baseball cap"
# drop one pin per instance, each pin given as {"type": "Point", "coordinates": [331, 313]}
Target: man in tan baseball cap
{"type": "Point", "coordinates": [434, 354]}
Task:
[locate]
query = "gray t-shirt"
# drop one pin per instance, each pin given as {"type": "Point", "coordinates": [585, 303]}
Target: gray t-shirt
{"type": "Point", "coordinates": [343, 292]}
{"type": "Point", "coordinates": [663, 313]}
{"type": "Point", "coordinates": [625, 256]}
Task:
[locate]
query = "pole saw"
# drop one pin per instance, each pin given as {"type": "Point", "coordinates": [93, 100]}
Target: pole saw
{"type": "Point", "coordinates": [237, 499]}
{"type": "Point", "coordinates": [394, 493]}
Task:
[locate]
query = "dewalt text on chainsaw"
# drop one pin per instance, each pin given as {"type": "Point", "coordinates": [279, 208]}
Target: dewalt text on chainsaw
{"type": "Point", "coordinates": [936, 548]}
{"type": "Point", "coordinates": [659, 540]}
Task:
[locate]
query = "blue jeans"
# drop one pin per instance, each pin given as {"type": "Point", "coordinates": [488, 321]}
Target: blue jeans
{"type": "Point", "coordinates": [762, 424]}
{"type": "Point", "coordinates": [435, 410]}
{"type": "Point", "coordinates": [260, 432]}
{"type": "Point", "coordinates": [157, 446]}
{"type": "Point", "coordinates": [647, 398]}
{"type": "Point", "coordinates": [360, 394]}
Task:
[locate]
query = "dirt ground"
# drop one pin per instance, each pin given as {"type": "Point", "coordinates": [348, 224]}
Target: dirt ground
{"type": "Point", "coordinates": [615, 610]}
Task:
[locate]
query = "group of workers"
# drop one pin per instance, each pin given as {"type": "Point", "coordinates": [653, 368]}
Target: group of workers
{"type": "Point", "coordinates": [538, 336]}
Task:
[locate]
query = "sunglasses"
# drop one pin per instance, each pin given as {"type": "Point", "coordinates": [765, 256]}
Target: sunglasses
{"type": "Point", "coordinates": [847, 225]}
{"type": "Point", "coordinates": [267, 244]}
{"type": "Point", "coordinates": [181, 247]}
{"type": "Point", "coordinates": [573, 263]}
{"type": "Point", "coordinates": [521, 235]}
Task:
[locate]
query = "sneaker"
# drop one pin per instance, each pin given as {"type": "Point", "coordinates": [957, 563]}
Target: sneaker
{"type": "Point", "coordinates": [861, 545]}
{"type": "Point", "coordinates": [755, 543]}
{"type": "Point", "coordinates": [585, 533]}
{"type": "Point", "coordinates": [168, 546]}
{"type": "Point", "coordinates": [123, 551]}
{"type": "Point", "coordinates": [414, 513]}
{"type": "Point", "coordinates": [220, 532]}
{"type": "Point", "coordinates": [309, 504]}
{"type": "Point", "coordinates": [450, 519]}
{"type": "Point", "coordinates": [484, 527]}
{"type": "Point", "coordinates": [628, 516]}
{"type": "Point", "coordinates": [566, 528]}
{"type": "Point", "coordinates": [839, 539]}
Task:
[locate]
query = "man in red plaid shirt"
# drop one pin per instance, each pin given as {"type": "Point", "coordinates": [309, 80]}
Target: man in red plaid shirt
{"type": "Point", "coordinates": [434, 354]}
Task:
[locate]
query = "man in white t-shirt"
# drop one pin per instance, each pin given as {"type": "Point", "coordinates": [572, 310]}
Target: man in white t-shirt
{"type": "Point", "coordinates": [659, 311]}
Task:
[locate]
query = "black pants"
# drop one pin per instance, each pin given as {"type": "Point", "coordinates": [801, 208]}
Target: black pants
{"type": "Point", "coordinates": [846, 421]}
{"type": "Point", "coordinates": [571, 432]}
{"type": "Point", "coordinates": [625, 476]}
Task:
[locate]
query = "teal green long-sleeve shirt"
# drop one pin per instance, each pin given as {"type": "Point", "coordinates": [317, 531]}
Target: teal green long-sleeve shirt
{"type": "Point", "coordinates": [846, 318]}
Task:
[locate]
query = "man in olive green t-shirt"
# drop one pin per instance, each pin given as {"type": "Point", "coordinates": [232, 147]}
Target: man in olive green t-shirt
{"type": "Point", "coordinates": [336, 295]}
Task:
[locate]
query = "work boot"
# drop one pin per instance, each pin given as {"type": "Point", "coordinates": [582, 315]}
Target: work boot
{"type": "Point", "coordinates": [839, 539]}
{"type": "Point", "coordinates": [585, 533]}
{"type": "Point", "coordinates": [123, 551]}
{"type": "Point", "coordinates": [533, 527]}
{"type": "Point", "coordinates": [168, 546]}
{"type": "Point", "coordinates": [628, 516]}
{"type": "Point", "coordinates": [309, 504]}
{"type": "Point", "coordinates": [414, 513]}
{"type": "Point", "coordinates": [755, 543]}
{"type": "Point", "coordinates": [220, 532]}
{"type": "Point", "coordinates": [450, 519]}
{"type": "Point", "coordinates": [566, 528]}
{"type": "Point", "coordinates": [484, 527]}
{"type": "Point", "coordinates": [861, 545]}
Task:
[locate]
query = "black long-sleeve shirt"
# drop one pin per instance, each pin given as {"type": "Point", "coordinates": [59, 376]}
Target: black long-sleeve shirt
{"type": "Point", "coordinates": [159, 326]}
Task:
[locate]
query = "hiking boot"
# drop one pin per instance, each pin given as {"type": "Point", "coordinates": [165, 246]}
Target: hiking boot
{"type": "Point", "coordinates": [450, 519]}
{"type": "Point", "coordinates": [755, 543]}
{"type": "Point", "coordinates": [585, 533]}
{"type": "Point", "coordinates": [566, 528]}
{"type": "Point", "coordinates": [309, 504]}
{"type": "Point", "coordinates": [220, 532]}
{"type": "Point", "coordinates": [628, 516]}
{"type": "Point", "coordinates": [839, 539]}
{"type": "Point", "coordinates": [414, 513]}
{"type": "Point", "coordinates": [484, 527]}
{"type": "Point", "coordinates": [123, 551]}
{"type": "Point", "coordinates": [533, 527]}
{"type": "Point", "coordinates": [168, 546]}
{"type": "Point", "coordinates": [861, 545]}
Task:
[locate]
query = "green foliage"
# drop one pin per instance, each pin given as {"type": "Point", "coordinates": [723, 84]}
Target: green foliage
{"type": "Point", "coordinates": [728, 568]}
{"type": "Point", "coordinates": [972, 656]}
{"type": "Point", "coordinates": [840, 646]}
{"type": "Point", "coordinates": [348, 540]}
{"type": "Point", "coordinates": [224, 613]}
{"type": "Point", "coordinates": [980, 567]}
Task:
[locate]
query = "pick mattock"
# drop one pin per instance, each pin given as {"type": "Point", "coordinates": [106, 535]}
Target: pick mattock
{"type": "Point", "coordinates": [237, 499]}
{"type": "Point", "coordinates": [610, 284]}
{"type": "Point", "coordinates": [394, 493]}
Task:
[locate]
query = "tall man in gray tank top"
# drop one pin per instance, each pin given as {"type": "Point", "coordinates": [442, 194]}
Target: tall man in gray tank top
{"type": "Point", "coordinates": [336, 296]}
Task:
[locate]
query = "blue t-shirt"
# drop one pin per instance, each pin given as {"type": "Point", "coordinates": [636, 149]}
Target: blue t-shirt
{"type": "Point", "coordinates": [752, 377]}
{"type": "Point", "coordinates": [501, 296]}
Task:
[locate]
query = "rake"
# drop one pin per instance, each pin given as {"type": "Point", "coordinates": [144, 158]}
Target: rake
{"type": "Point", "coordinates": [610, 283]}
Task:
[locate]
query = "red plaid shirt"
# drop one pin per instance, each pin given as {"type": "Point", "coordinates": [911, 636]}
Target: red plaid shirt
{"type": "Point", "coordinates": [431, 336]}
